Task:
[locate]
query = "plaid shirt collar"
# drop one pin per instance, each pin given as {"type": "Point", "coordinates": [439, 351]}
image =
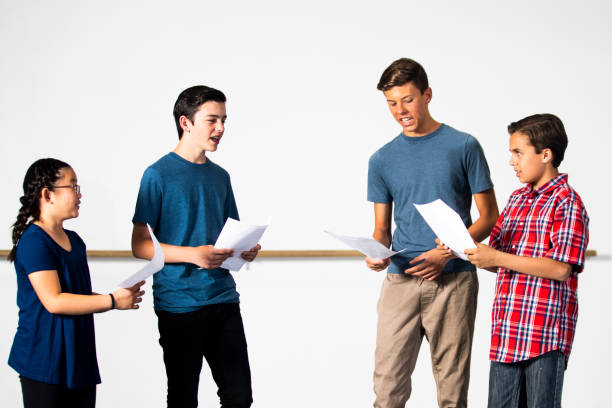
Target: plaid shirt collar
{"type": "Point", "coordinates": [545, 188]}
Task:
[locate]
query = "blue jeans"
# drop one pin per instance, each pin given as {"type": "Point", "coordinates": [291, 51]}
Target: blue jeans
{"type": "Point", "coordinates": [533, 383]}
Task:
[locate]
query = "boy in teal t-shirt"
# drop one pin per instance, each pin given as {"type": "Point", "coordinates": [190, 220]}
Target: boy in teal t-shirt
{"type": "Point", "coordinates": [186, 198]}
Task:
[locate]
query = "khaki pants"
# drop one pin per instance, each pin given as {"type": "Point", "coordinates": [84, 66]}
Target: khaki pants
{"type": "Point", "coordinates": [444, 311]}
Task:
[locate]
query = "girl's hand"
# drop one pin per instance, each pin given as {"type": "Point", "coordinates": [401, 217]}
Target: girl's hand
{"type": "Point", "coordinates": [128, 298]}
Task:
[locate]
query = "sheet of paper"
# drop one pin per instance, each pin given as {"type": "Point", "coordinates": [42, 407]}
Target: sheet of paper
{"type": "Point", "coordinates": [240, 237]}
{"type": "Point", "coordinates": [448, 226]}
{"type": "Point", "coordinates": [154, 265]}
{"type": "Point", "coordinates": [367, 246]}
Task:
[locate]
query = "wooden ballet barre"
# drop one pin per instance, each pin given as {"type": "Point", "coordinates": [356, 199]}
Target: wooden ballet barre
{"type": "Point", "coordinates": [263, 254]}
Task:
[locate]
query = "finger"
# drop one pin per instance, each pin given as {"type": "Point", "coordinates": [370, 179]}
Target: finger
{"type": "Point", "coordinates": [137, 286]}
{"type": "Point", "coordinates": [424, 272]}
{"type": "Point", "coordinates": [417, 259]}
{"type": "Point", "coordinates": [416, 268]}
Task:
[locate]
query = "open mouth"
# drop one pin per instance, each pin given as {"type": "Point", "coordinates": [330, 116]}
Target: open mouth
{"type": "Point", "coordinates": [407, 121]}
{"type": "Point", "coordinates": [216, 139]}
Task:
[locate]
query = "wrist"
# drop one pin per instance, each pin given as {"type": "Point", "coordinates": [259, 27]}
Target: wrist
{"type": "Point", "coordinates": [499, 259]}
{"type": "Point", "coordinates": [112, 301]}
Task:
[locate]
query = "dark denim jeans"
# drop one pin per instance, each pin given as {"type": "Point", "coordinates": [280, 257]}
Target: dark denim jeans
{"type": "Point", "coordinates": [213, 332]}
{"type": "Point", "coordinates": [533, 383]}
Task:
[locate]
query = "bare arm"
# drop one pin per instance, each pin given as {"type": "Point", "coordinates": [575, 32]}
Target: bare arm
{"type": "Point", "coordinates": [382, 234]}
{"type": "Point", "coordinates": [488, 214]}
{"type": "Point", "coordinates": [382, 223]}
{"type": "Point", "coordinates": [48, 289]}
{"type": "Point", "coordinates": [204, 256]}
{"type": "Point", "coordinates": [486, 257]}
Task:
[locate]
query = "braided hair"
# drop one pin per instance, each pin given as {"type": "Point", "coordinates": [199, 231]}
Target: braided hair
{"type": "Point", "coordinates": [42, 173]}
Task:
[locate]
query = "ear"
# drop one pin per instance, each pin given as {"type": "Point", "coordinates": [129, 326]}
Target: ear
{"type": "Point", "coordinates": [45, 195]}
{"type": "Point", "coordinates": [185, 124]}
{"type": "Point", "coordinates": [428, 94]}
{"type": "Point", "coordinates": [547, 156]}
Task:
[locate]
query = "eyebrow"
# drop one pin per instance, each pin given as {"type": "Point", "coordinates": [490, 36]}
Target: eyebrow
{"type": "Point", "coordinates": [216, 116]}
{"type": "Point", "coordinates": [401, 99]}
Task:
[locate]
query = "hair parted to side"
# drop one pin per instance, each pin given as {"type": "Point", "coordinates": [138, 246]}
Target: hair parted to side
{"type": "Point", "coordinates": [545, 131]}
{"type": "Point", "coordinates": [401, 72]}
{"type": "Point", "coordinates": [42, 173]}
{"type": "Point", "coordinates": [190, 100]}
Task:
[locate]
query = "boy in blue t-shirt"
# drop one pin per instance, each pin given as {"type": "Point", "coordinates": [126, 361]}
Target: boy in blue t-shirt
{"type": "Point", "coordinates": [425, 293]}
{"type": "Point", "coordinates": [186, 198]}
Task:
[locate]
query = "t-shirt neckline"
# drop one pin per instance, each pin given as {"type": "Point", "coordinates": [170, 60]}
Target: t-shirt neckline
{"type": "Point", "coordinates": [419, 139]}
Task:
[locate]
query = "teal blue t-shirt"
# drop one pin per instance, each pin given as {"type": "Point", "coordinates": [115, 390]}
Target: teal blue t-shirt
{"type": "Point", "coordinates": [187, 204]}
{"type": "Point", "coordinates": [445, 164]}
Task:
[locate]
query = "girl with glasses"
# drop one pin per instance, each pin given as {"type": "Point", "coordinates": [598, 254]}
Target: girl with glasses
{"type": "Point", "coordinates": [54, 348]}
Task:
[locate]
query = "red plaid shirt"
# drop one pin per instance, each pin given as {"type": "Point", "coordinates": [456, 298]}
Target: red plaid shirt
{"type": "Point", "coordinates": [531, 315]}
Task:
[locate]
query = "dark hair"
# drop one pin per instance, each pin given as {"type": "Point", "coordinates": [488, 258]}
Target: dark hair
{"type": "Point", "coordinates": [545, 131]}
{"type": "Point", "coordinates": [42, 173]}
{"type": "Point", "coordinates": [190, 100]}
{"type": "Point", "coordinates": [401, 72]}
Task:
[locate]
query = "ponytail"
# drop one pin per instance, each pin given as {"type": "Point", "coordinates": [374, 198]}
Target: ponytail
{"type": "Point", "coordinates": [42, 173]}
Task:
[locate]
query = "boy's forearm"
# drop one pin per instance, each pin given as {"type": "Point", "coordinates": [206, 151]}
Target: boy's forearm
{"type": "Point", "coordinates": [482, 227]}
{"type": "Point", "coordinates": [382, 236]}
{"type": "Point", "coordinates": [173, 254]}
{"type": "Point", "coordinates": [486, 204]}
{"type": "Point", "coordinates": [540, 267]}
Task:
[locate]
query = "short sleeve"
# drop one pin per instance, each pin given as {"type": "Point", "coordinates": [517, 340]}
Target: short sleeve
{"type": "Point", "coordinates": [476, 167]}
{"type": "Point", "coordinates": [231, 210]}
{"type": "Point", "coordinates": [36, 253]}
{"type": "Point", "coordinates": [377, 188]}
{"type": "Point", "coordinates": [569, 235]}
{"type": "Point", "coordinates": [149, 201]}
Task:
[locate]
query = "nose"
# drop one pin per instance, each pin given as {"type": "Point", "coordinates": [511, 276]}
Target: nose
{"type": "Point", "coordinates": [402, 108]}
{"type": "Point", "coordinates": [220, 127]}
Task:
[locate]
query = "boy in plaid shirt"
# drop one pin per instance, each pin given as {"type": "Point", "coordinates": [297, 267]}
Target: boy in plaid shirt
{"type": "Point", "coordinates": [537, 249]}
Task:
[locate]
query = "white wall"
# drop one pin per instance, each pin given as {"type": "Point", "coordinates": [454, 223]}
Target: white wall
{"type": "Point", "coordinates": [94, 84]}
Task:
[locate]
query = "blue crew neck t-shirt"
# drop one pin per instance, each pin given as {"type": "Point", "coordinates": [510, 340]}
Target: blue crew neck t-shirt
{"type": "Point", "coordinates": [187, 204]}
{"type": "Point", "coordinates": [53, 348]}
{"type": "Point", "coordinates": [445, 164]}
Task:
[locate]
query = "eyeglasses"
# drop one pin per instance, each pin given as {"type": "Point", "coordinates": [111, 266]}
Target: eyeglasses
{"type": "Point", "coordinates": [75, 187]}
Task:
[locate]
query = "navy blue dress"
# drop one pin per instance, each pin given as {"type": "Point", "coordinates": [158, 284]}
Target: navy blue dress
{"type": "Point", "coordinates": [53, 348]}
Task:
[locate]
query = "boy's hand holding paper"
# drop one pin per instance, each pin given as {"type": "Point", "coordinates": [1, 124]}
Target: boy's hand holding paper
{"type": "Point", "coordinates": [243, 239]}
{"type": "Point", "coordinates": [448, 226]}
